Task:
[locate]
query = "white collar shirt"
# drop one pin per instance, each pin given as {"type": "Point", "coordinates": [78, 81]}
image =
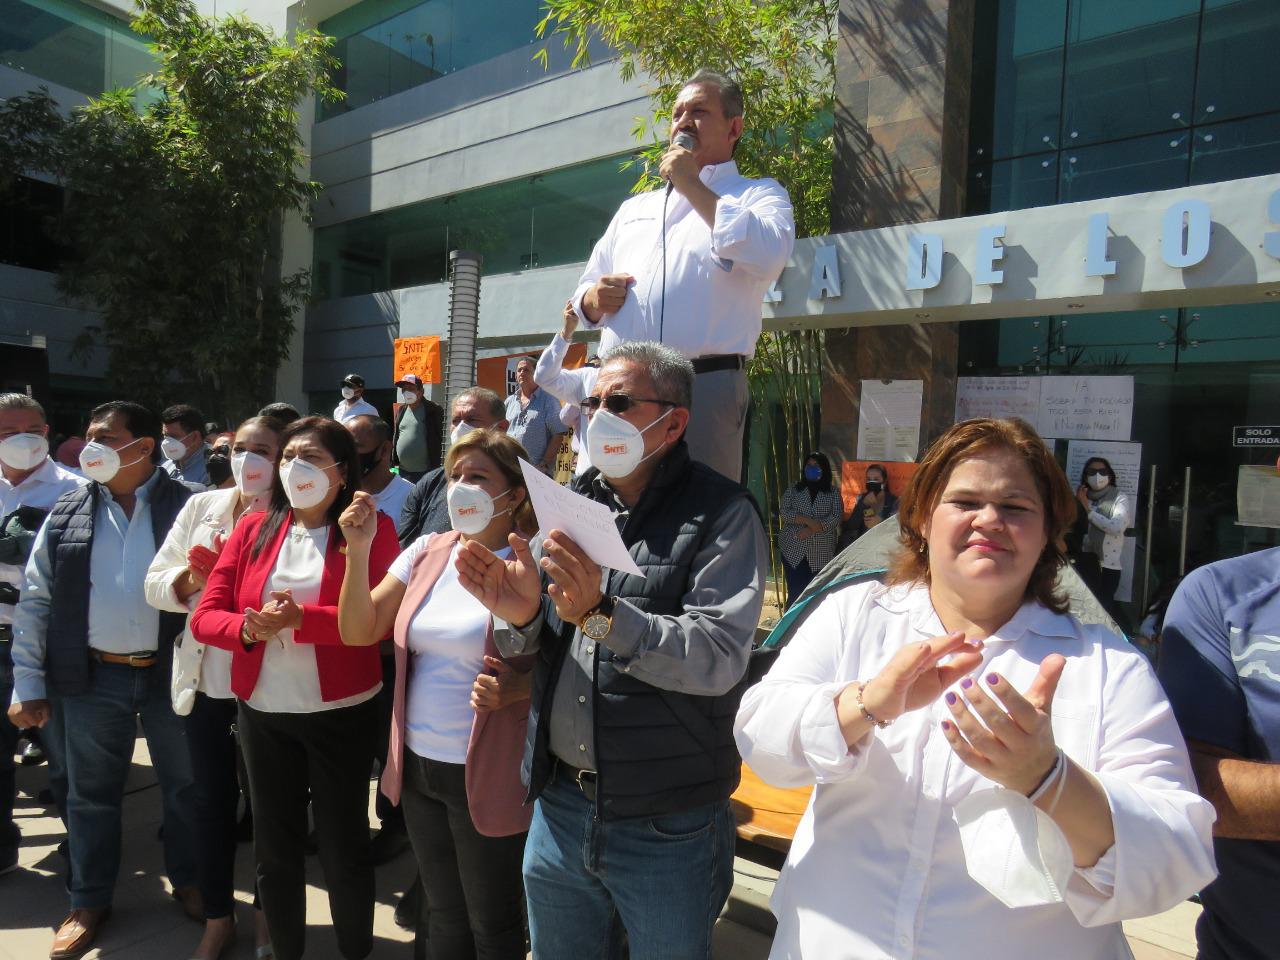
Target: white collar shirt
{"type": "Point", "coordinates": [716, 276]}
{"type": "Point", "coordinates": [40, 490]}
{"type": "Point", "coordinates": [877, 868]}
{"type": "Point", "coordinates": [350, 409]}
{"type": "Point", "coordinates": [120, 619]}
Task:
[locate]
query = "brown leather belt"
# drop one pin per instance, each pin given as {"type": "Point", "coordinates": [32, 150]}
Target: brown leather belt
{"type": "Point", "coordinates": [719, 361]}
{"type": "Point", "coordinates": [125, 659]}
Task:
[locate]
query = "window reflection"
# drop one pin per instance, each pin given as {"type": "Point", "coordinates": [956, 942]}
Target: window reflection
{"type": "Point", "coordinates": [71, 45]}
{"type": "Point", "coordinates": [547, 220]}
{"type": "Point", "coordinates": [420, 44]}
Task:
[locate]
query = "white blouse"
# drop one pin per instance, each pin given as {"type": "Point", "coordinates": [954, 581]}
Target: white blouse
{"type": "Point", "coordinates": [289, 681]}
{"type": "Point", "coordinates": [446, 640]}
{"type": "Point", "coordinates": [878, 869]}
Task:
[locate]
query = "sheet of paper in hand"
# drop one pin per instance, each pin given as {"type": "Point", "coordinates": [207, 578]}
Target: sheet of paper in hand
{"type": "Point", "coordinates": [589, 524]}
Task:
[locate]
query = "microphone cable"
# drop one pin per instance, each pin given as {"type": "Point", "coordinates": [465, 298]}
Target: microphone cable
{"type": "Point", "coordinates": [662, 310]}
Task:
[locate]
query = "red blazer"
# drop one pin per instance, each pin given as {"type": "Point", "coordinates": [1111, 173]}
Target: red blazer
{"type": "Point", "coordinates": [237, 582]}
{"type": "Point", "coordinates": [495, 795]}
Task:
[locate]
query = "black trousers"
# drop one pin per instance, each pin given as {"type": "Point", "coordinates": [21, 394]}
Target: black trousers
{"type": "Point", "coordinates": [325, 758]}
{"type": "Point", "coordinates": [212, 745]}
{"type": "Point", "coordinates": [473, 884]}
{"type": "Point", "coordinates": [389, 814]}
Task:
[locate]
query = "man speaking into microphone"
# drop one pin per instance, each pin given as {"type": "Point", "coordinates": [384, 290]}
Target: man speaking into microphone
{"type": "Point", "coordinates": [688, 265]}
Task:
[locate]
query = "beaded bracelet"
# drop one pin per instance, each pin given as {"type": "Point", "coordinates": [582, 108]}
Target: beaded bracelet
{"type": "Point", "coordinates": [867, 714]}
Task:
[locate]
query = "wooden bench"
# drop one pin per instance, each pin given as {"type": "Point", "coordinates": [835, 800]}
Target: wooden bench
{"type": "Point", "coordinates": [768, 815]}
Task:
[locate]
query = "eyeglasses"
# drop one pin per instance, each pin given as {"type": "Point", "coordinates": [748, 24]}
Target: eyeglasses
{"type": "Point", "coordinates": [618, 403]}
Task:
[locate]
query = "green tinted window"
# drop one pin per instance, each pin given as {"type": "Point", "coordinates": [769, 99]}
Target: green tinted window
{"type": "Point", "coordinates": [384, 47]}
{"type": "Point", "coordinates": [1126, 166]}
{"type": "Point", "coordinates": [72, 45]}
{"type": "Point", "coordinates": [1237, 75]}
{"type": "Point", "coordinates": [1026, 96]}
{"type": "Point", "coordinates": [1227, 151]}
{"type": "Point", "coordinates": [1130, 68]}
{"type": "Point", "coordinates": [543, 221]}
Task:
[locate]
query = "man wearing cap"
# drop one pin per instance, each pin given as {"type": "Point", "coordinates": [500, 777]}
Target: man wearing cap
{"type": "Point", "coordinates": [419, 431]}
{"type": "Point", "coordinates": [689, 265]}
{"type": "Point", "coordinates": [353, 403]}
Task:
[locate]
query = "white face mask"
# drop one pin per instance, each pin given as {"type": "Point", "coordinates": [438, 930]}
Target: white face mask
{"type": "Point", "coordinates": [460, 430]}
{"type": "Point", "coordinates": [174, 448]}
{"type": "Point", "coordinates": [304, 483]}
{"type": "Point", "coordinates": [616, 446]}
{"type": "Point", "coordinates": [1013, 849]}
{"type": "Point", "coordinates": [406, 396]}
{"type": "Point", "coordinates": [101, 463]}
{"type": "Point", "coordinates": [253, 472]}
{"type": "Point", "coordinates": [471, 509]}
{"type": "Point", "coordinates": [1097, 481]}
{"type": "Point", "coordinates": [23, 451]}
{"type": "Point", "coordinates": [348, 393]}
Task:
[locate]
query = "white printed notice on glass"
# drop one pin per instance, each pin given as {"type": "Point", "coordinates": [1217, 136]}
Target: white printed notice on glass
{"type": "Point", "coordinates": [1086, 408]}
{"type": "Point", "coordinates": [998, 397]}
{"type": "Point", "coordinates": [889, 420]}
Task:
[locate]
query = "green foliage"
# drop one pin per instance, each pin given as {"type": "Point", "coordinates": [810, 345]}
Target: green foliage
{"type": "Point", "coordinates": [782, 53]}
{"type": "Point", "coordinates": [174, 210]}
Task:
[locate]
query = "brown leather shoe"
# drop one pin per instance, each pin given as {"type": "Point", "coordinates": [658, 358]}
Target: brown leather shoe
{"type": "Point", "coordinates": [76, 933]}
{"type": "Point", "coordinates": [191, 901]}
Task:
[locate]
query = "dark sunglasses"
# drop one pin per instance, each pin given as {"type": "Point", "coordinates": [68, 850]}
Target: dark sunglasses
{"type": "Point", "coordinates": [618, 403]}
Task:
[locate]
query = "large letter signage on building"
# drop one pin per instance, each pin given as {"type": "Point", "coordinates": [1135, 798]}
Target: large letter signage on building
{"type": "Point", "coordinates": [824, 282]}
{"type": "Point", "coordinates": [1186, 233]}
{"type": "Point", "coordinates": [990, 252]}
{"type": "Point", "coordinates": [924, 261]}
{"type": "Point", "coordinates": [1096, 263]}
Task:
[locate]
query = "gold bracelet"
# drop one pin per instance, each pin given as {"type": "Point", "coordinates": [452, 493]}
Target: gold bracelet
{"type": "Point", "coordinates": [867, 714]}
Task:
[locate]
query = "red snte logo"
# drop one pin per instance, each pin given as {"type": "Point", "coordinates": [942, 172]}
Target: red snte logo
{"type": "Point", "coordinates": [615, 448]}
{"type": "Point", "coordinates": [306, 485]}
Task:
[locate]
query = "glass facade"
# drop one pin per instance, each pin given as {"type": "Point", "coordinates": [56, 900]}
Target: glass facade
{"type": "Point", "coordinates": [1081, 99]}
{"type": "Point", "coordinates": [542, 221]}
{"type": "Point", "coordinates": [71, 44]}
{"type": "Point", "coordinates": [386, 46]}
{"type": "Point", "coordinates": [27, 212]}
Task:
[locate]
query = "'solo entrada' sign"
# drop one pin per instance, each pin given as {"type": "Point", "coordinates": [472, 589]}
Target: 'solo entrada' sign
{"type": "Point", "coordinates": [1186, 229]}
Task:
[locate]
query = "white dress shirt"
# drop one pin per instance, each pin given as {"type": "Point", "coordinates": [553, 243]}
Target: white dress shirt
{"type": "Point", "coordinates": [203, 519]}
{"type": "Point", "coordinates": [40, 490]}
{"type": "Point", "coordinates": [571, 387]}
{"type": "Point", "coordinates": [350, 409]}
{"type": "Point", "coordinates": [120, 621]}
{"type": "Point", "coordinates": [290, 681]}
{"type": "Point", "coordinates": [716, 276]}
{"type": "Point", "coordinates": [877, 868]}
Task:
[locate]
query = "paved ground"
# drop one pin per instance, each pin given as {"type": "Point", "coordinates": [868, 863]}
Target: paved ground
{"type": "Point", "coordinates": [148, 925]}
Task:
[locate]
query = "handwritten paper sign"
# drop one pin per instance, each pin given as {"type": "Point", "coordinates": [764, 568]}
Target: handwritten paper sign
{"type": "Point", "coordinates": [998, 397]}
{"type": "Point", "coordinates": [1086, 408]}
{"type": "Point", "coordinates": [1125, 460]}
{"type": "Point", "coordinates": [420, 355]}
{"type": "Point", "coordinates": [589, 524]}
{"type": "Point", "coordinates": [889, 420]}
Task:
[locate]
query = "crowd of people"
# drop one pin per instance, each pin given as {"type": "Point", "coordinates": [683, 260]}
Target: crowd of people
{"type": "Point", "coordinates": [317, 598]}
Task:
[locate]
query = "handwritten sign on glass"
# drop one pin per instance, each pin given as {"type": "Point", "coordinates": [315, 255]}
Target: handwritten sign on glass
{"type": "Point", "coordinates": [1086, 408]}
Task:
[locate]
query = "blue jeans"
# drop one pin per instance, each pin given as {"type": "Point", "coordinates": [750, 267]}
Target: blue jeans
{"type": "Point", "coordinates": [663, 879]}
{"type": "Point", "coordinates": [101, 726]}
{"type": "Point", "coordinates": [9, 836]}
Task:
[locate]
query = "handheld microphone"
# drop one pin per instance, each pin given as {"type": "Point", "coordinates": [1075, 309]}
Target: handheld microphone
{"type": "Point", "coordinates": [686, 140]}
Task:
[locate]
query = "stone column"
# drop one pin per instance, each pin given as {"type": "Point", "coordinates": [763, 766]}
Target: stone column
{"type": "Point", "coordinates": [903, 70]}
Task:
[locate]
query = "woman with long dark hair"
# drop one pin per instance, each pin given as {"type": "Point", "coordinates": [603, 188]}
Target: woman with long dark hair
{"type": "Point", "coordinates": [810, 513]}
{"type": "Point", "coordinates": [1108, 513]}
{"type": "Point", "coordinates": [306, 711]}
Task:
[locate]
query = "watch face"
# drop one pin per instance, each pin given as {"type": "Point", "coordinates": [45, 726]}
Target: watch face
{"type": "Point", "coordinates": [596, 626]}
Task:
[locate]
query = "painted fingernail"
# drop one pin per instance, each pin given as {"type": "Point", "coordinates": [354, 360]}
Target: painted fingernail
{"type": "Point", "coordinates": [966, 683]}
{"type": "Point", "coordinates": [992, 679]}
{"type": "Point", "coordinates": [946, 725]}
{"type": "Point", "coordinates": [951, 698]}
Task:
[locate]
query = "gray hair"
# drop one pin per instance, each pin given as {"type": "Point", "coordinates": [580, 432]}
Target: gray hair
{"type": "Point", "coordinates": [671, 373]}
{"type": "Point", "coordinates": [497, 408]}
{"type": "Point", "coordinates": [729, 90]}
{"type": "Point", "coordinates": [20, 401]}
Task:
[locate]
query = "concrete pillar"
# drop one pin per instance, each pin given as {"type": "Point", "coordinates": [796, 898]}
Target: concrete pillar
{"type": "Point", "coordinates": [903, 70]}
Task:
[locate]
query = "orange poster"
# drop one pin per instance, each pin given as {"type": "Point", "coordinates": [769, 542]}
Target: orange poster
{"type": "Point", "coordinates": [853, 479]}
{"type": "Point", "coordinates": [420, 355]}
